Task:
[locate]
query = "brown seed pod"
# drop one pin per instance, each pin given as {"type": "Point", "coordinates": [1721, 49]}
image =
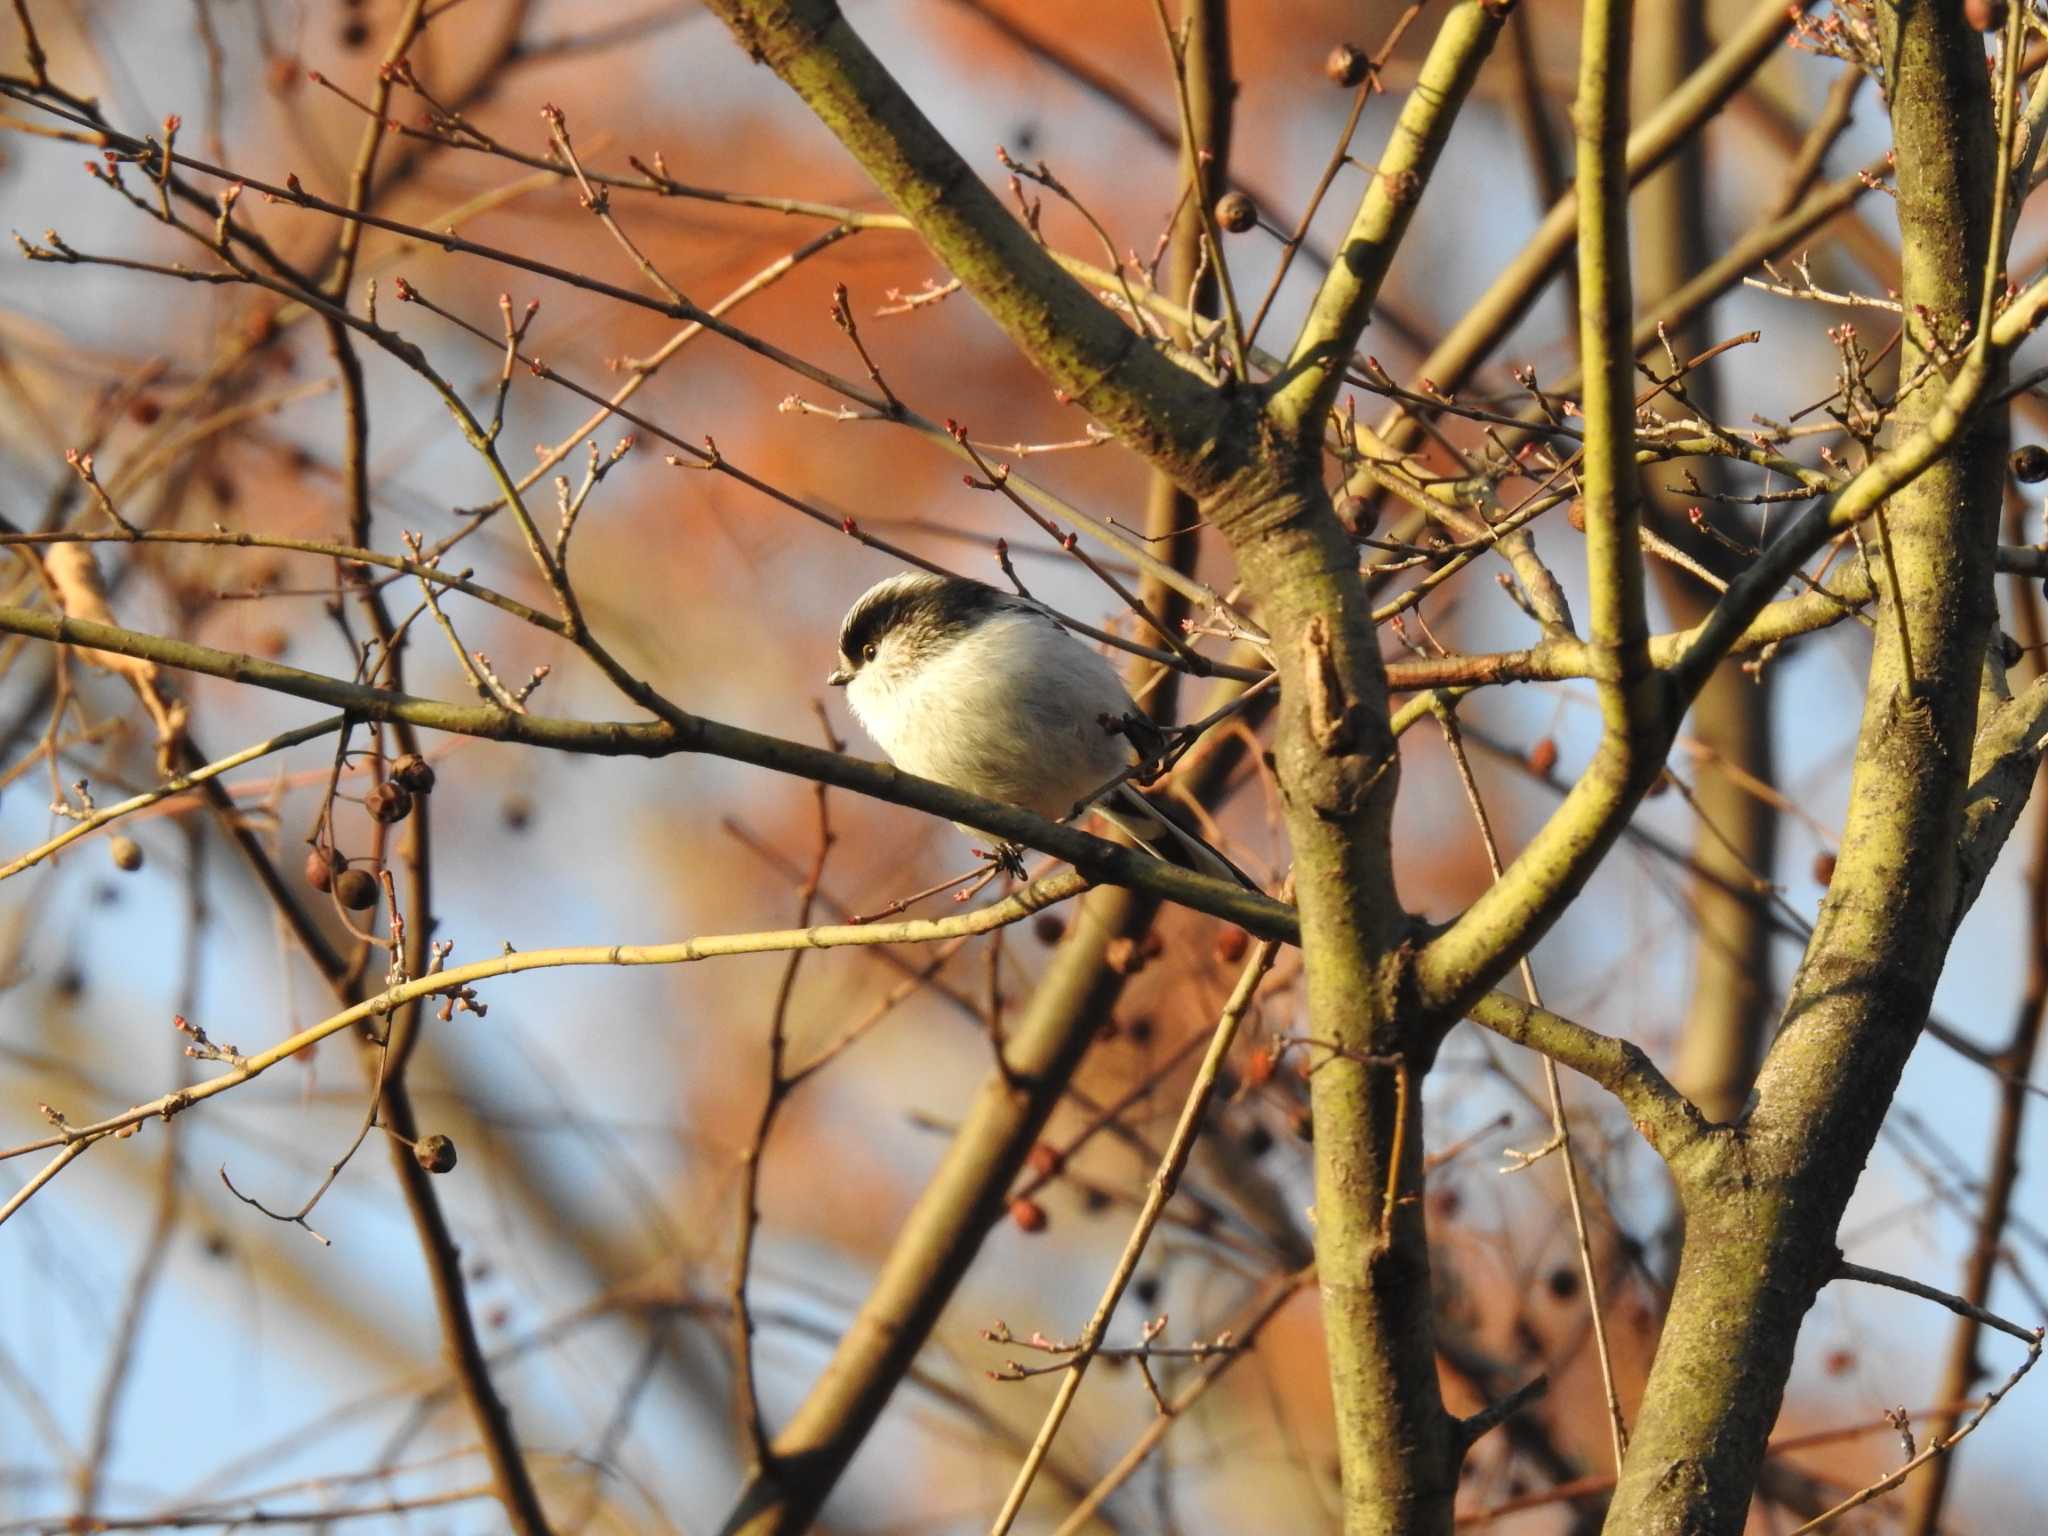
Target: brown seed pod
{"type": "Point", "coordinates": [436, 1154]}
{"type": "Point", "coordinates": [1346, 65]}
{"type": "Point", "coordinates": [356, 889]}
{"type": "Point", "coordinates": [415, 773]}
{"type": "Point", "coordinates": [322, 865]}
{"type": "Point", "coordinates": [388, 802]}
{"type": "Point", "coordinates": [1824, 868]}
{"type": "Point", "coordinates": [126, 852]}
{"type": "Point", "coordinates": [1575, 514]}
{"type": "Point", "coordinates": [1235, 213]}
{"type": "Point", "coordinates": [1542, 757]}
{"type": "Point", "coordinates": [2030, 464]}
{"type": "Point", "coordinates": [1029, 1215]}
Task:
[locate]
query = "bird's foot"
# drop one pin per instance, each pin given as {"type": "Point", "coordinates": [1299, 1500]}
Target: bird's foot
{"type": "Point", "coordinates": [1008, 859]}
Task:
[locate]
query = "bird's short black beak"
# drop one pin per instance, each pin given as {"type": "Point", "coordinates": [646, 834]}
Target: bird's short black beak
{"type": "Point", "coordinates": [838, 677]}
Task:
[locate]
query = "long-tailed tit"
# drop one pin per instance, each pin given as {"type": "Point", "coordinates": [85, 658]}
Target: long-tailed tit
{"type": "Point", "coordinates": [987, 693]}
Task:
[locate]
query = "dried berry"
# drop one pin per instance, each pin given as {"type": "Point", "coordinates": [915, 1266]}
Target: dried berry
{"type": "Point", "coordinates": [1823, 868]}
{"type": "Point", "coordinates": [2030, 464]}
{"type": "Point", "coordinates": [415, 773]}
{"type": "Point", "coordinates": [322, 865]}
{"type": "Point", "coordinates": [1235, 213]}
{"type": "Point", "coordinates": [1346, 65]}
{"type": "Point", "coordinates": [388, 802]}
{"type": "Point", "coordinates": [1575, 514]}
{"type": "Point", "coordinates": [1231, 944]}
{"type": "Point", "coordinates": [1360, 516]}
{"type": "Point", "coordinates": [1029, 1215]}
{"type": "Point", "coordinates": [356, 889]}
{"type": "Point", "coordinates": [1542, 757]}
{"type": "Point", "coordinates": [127, 853]}
{"type": "Point", "coordinates": [436, 1154]}
{"type": "Point", "coordinates": [1043, 1159]}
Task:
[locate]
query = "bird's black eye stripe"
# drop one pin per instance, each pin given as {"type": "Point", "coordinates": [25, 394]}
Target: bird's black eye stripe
{"type": "Point", "coordinates": [936, 608]}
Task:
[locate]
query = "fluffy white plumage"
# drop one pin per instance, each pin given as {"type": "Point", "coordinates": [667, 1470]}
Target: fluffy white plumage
{"type": "Point", "coordinates": [1002, 703]}
{"type": "Point", "coordinates": [984, 691]}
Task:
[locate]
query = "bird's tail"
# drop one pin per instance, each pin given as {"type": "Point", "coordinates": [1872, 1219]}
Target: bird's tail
{"type": "Point", "coordinates": [1155, 829]}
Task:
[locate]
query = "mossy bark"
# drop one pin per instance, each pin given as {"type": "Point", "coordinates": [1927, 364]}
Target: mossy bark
{"type": "Point", "coordinates": [1763, 1201]}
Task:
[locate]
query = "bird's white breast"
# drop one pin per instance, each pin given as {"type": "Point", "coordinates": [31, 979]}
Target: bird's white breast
{"type": "Point", "coordinates": [1011, 710]}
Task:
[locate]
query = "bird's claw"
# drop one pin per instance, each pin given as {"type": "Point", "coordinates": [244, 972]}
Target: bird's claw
{"type": "Point", "coordinates": [1007, 857]}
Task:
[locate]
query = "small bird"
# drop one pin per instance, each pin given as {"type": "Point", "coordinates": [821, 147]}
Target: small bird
{"type": "Point", "coordinates": [959, 682]}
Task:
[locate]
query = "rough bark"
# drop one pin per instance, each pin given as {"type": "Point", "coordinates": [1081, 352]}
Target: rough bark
{"type": "Point", "coordinates": [1763, 1200]}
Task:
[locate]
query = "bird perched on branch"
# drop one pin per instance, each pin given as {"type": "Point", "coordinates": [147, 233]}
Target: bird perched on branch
{"type": "Point", "coordinates": [987, 693]}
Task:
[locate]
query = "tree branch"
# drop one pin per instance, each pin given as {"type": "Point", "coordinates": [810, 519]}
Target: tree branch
{"type": "Point", "coordinates": [1096, 360]}
{"type": "Point", "coordinates": [1307, 385]}
{"type": "Point", "coordinates": [1101, 861]}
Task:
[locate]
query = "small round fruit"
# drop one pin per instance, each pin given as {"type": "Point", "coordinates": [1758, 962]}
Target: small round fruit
{"type": "Point", "coordinates": [388, 802]}
{"type": "Point", "coordinates": [1346, 65]}
{"type": "Point", "coordinates": [1359, 515]}
{"type": "Point", "coordinates": [1542, 757]}
{"type": "Point", "coordinates": [356, 889]}
{"type": "Point", "coordinates": [127, 854]}
{"type": "Point", "coordinates": [322, 865]}
{"type": "Point", "coordinates": [1236, 213]}
{"type": "Point", "coordinates": [2030, 464]}
{"type": "Point", "coordinates": [436, 1154]}
{"type": "Point", "coordinates": [1029, 1215]}
{"type": "Point", "coordinates": [415, 773]}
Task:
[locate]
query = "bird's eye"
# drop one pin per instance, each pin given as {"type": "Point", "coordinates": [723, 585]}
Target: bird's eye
{"type": "Point", "coordinates": [867, 653]}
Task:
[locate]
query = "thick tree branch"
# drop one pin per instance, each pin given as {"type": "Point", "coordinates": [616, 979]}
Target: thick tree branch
{"type": "Point", "coordinates": [1307, 386]}
{"type": "Point", "coordinates": [1760, 1227]}
{"type": "Point", "coordinates": [1110, 370]}
{"type": "Point", "coordinates": [1667, 1119]}
{"type": "Point", "coordinates": [1654, 141]}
